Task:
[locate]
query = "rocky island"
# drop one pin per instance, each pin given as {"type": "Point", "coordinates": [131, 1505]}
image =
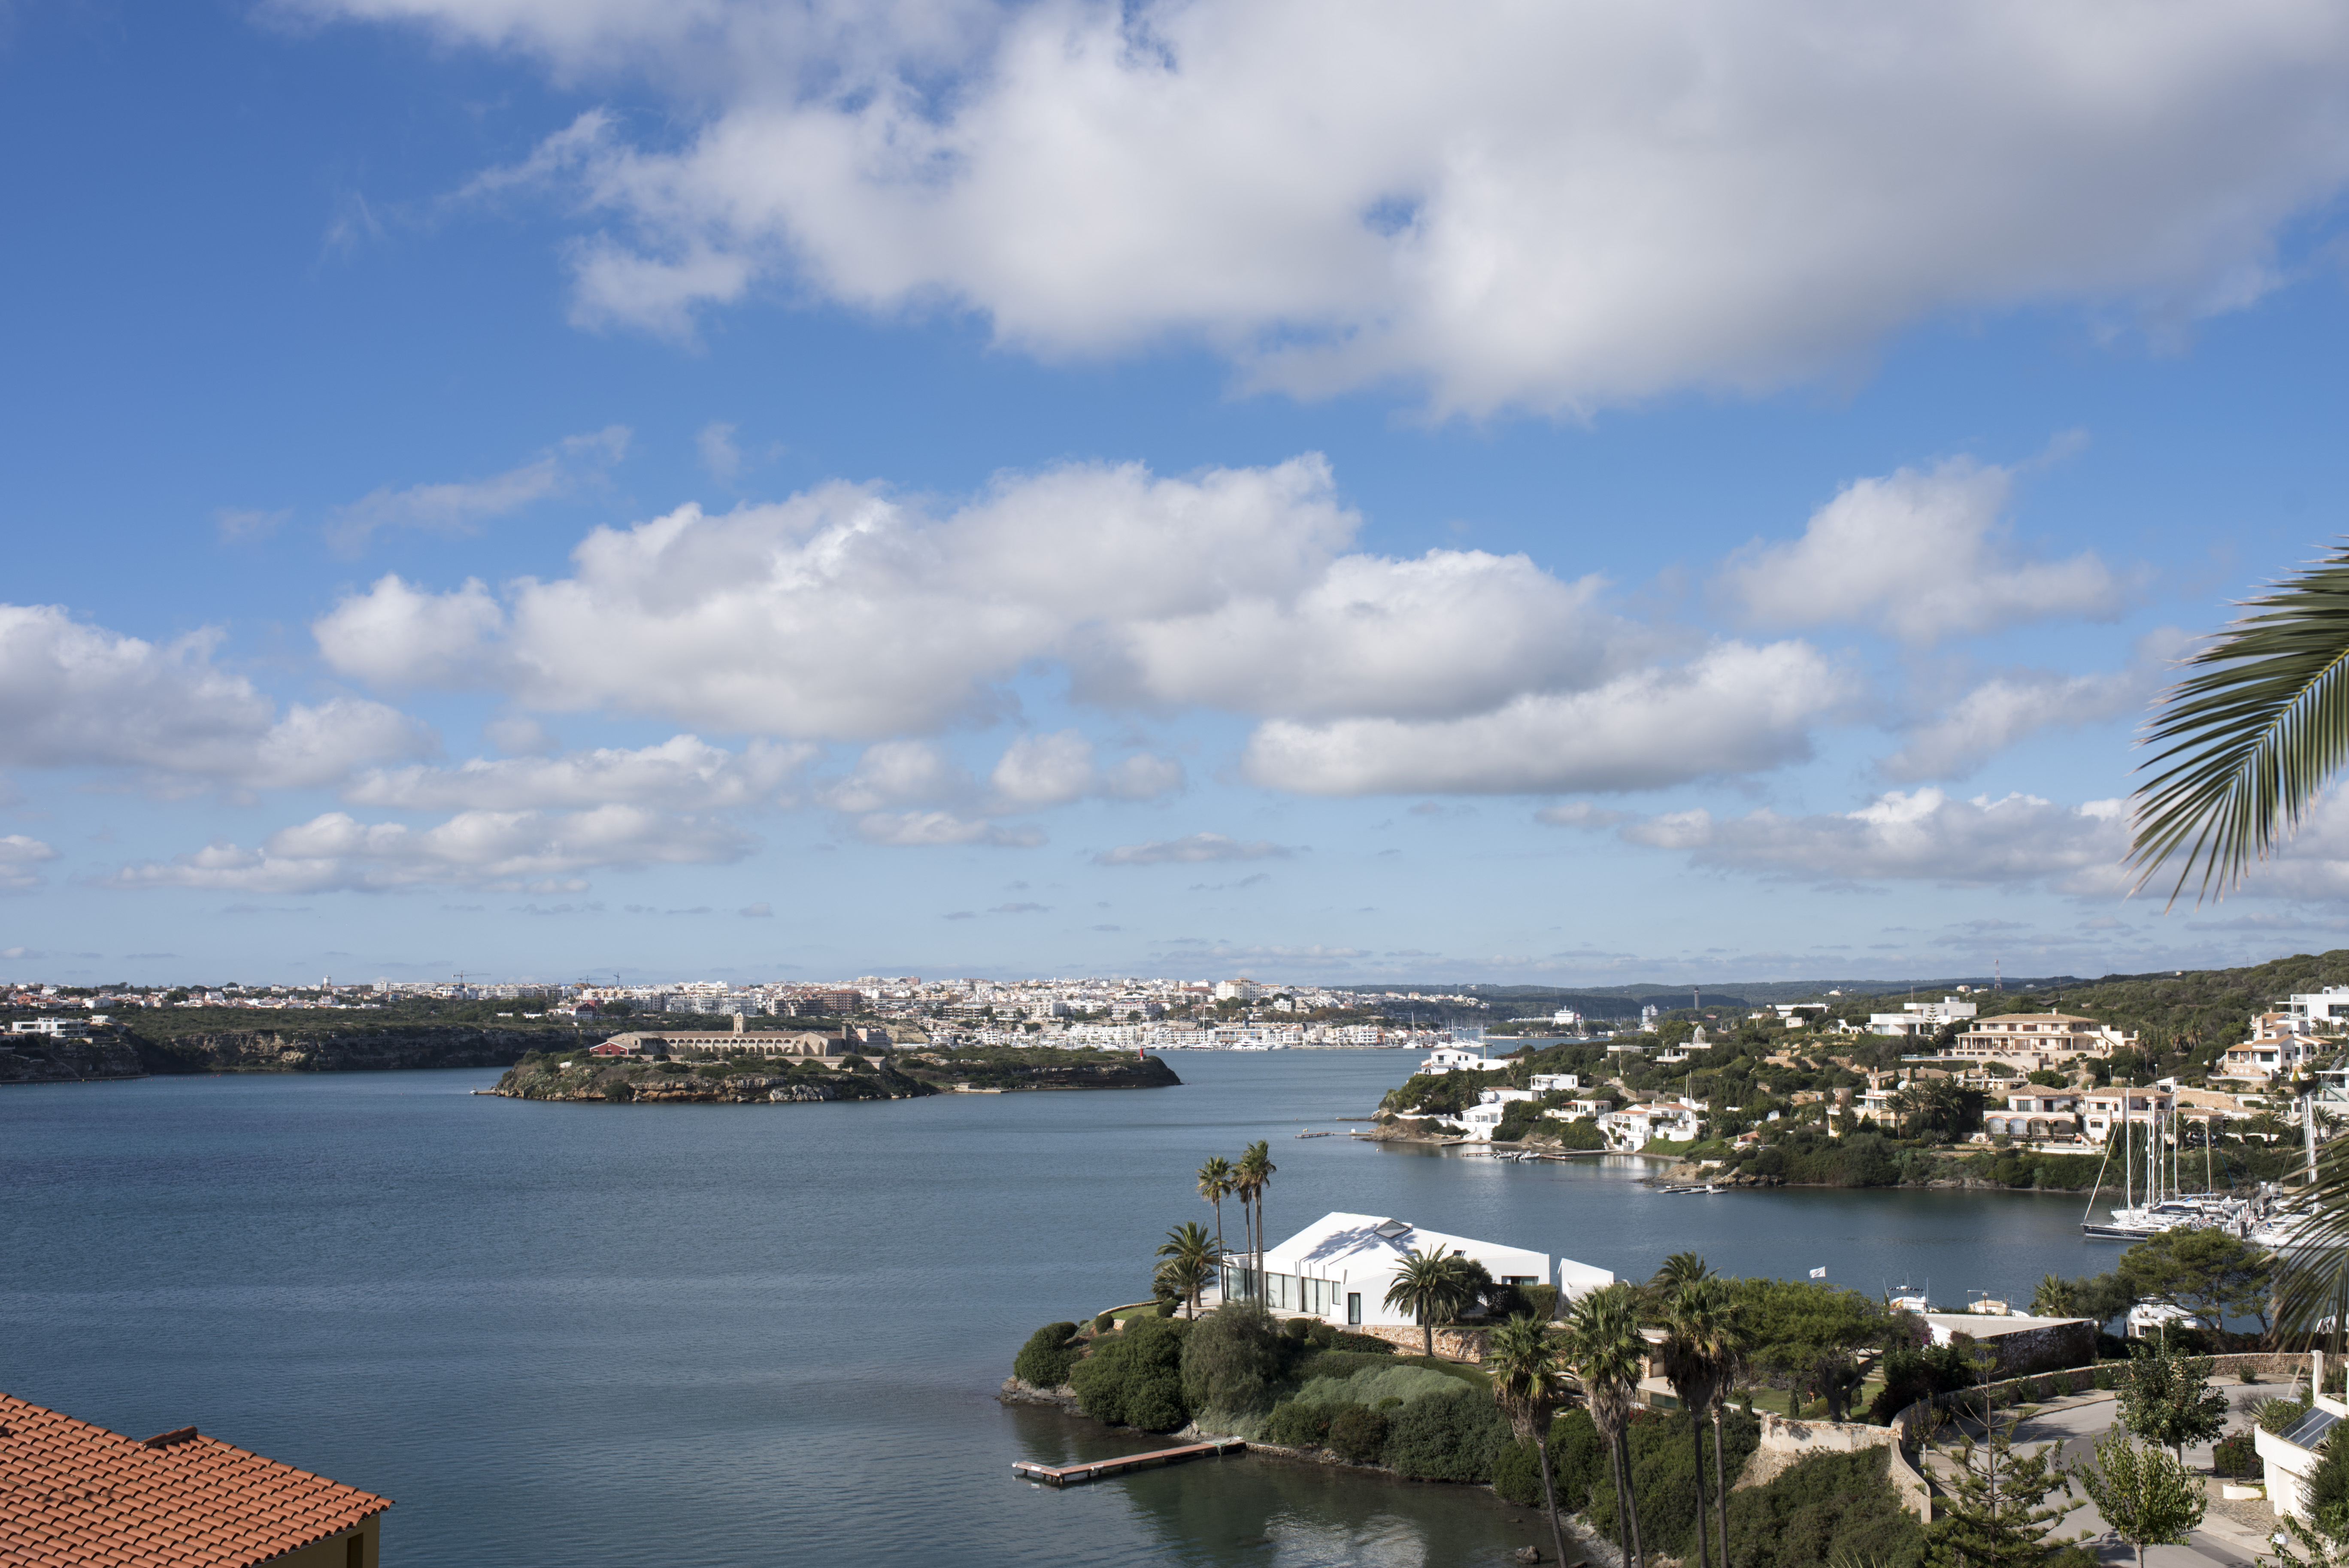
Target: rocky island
{"type": "Point", "coordinates": [742, 1076]}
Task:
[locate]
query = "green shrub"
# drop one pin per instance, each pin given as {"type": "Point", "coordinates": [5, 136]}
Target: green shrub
{"type": "Point", "coordinates": [1517, 1473]}
{"type": "Point", "coordinates": [1827, 1508]}
{"type": "Point", "coordinates": [1446, 1437]}
{"type": "Point", "coordinates": [1299, 1328]}
{"type": "Point", "coordinates": [1366, 1344]}
{"type": "Point", "coordinates": [1542, 1299]}
{"type": "Point", "coordinates": [620, 1092]}
{"type": "Point", "coordinates": [2326, 1495]}
{"type": "Point", "coordinates": [1168, 1308]}
{"type": "Point", "coordinates": [1372, 1384]}
{"type": "Point", "coordinates": [1576, 1456]}
{"type": "Point", "coordinates": [1358, 1434]}
{"type": "Point", "coordinates": [1135, 1379]}
{"type": "Point", "coordinates": [1323, 1335]}
{"type": "Point", "coordinates": [1231, 1357]}
{"type": "Point", "coordinates": [1664, 1476]}
{"type": "Point", "coordinates": [1912, 1373]}
{"type": "Point", "coordinates": [1104, 1323]}
{"type": "Point", "coordinates": [2237, 1454]}
{"type": "Point", "coordinates": [2277, 1416]}
{"type": "Point", "coordinates": [1296, 1426]}
{"type": "Point", "coordinates": [1047, 1355]}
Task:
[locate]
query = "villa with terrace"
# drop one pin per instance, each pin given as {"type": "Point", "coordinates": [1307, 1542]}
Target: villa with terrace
{"type": "Point", "coordinates": [1340, 1268]}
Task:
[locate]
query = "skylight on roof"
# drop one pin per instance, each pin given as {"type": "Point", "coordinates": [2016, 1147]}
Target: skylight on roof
{"type": "Point", "coordinates": [1394, 1228]}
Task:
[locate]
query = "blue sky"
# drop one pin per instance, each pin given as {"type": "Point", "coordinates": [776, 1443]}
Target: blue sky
{"type": "Point", "coordinates": [775, 490]}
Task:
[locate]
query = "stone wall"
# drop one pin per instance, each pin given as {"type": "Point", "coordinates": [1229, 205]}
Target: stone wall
{"type": "Point", "coordinates": [1789, 1440]}
{"type": "Point", "coordinates": [1454, 1344]}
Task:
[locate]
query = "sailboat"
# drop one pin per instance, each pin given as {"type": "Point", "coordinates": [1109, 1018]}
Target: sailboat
{"type": "Point", "coordinates": [2167, 1207]}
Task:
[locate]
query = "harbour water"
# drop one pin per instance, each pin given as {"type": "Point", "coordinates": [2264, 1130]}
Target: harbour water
{"type": "Point", "coordinates": [599, 1336]}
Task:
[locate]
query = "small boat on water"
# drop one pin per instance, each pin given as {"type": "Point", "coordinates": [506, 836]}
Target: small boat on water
{"type": "Point", "coordinates": [1693, 1187]}
{"type": "Point", "coordinates": [1316, 1135]}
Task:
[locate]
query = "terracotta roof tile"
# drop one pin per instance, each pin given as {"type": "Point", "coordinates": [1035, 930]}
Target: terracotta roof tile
{"type": "Point", "coordinates": [73, 1495]}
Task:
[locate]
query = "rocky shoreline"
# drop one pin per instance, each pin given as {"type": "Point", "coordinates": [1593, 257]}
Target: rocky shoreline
{"type": "Point", "coordinates": [380, 1049]}
{"type": "Point", "coordinates": [37, 1058]}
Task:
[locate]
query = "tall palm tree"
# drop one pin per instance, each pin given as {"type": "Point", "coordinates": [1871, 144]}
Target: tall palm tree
{"type": "Point", "coordinates": [1192, 1256]}
{"type": "Point", "coordinates": [1525, 1366]}
{"type": "Point", "coordinates": [1428, 1285]}
{"type": "Point", "coordinates": [1679, 1269]}
{"type": "Point", "coordinates": [1256, 1168]}
{"type": "Point", "coordinates": [1605, 1350]}
{"type": "Point", "coordinates": [1215, 1186]}
{"type": "Point", "coordinates": [2245, 745]}
{"type": "Point", "coordinates": [1726, 1345]}
{"type": "Point", "coordinates": [1692, 1315]}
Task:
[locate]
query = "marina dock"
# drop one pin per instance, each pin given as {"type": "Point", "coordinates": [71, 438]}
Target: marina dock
{"type": "Point", "coordinates": [1070, 1475]}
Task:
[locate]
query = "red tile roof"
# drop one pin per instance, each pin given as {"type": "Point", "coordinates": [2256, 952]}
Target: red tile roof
{"type": "Point", "coordinates": [73, 1495]}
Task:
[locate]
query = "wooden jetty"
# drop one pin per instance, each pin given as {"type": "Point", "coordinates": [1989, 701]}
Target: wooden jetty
{"type": "Point", "coordinates": [1070, 1475]}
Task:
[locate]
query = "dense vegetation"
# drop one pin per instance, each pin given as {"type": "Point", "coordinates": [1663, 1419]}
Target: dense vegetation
{"type": "Point", "coordinates": [1827, 1508]}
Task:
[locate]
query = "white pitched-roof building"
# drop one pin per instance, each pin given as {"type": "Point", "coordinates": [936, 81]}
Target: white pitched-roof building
{"type": "Point", "coordinates": [1339, 1268]}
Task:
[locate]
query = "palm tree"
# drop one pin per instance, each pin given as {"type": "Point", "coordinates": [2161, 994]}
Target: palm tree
{"type": "Point", "coordinates": [1679, 1269]}
{"type": "Point", "coordinates": [1215, 1186]}
{"type": "Point", "coordinates": [1525, 1363]}
{"type": "Point", "coordinates": [2246, 744]}
{"type": "Point", "coordinates": [1428, 1285]}
{"type": "Point", "coordinates": [1605, 1351]}
{"type": "Point", "coordinates": [1727, 1346]}
{"type": "Point", "coordinates": [1192, 1256]}
{"type": "Point", "coordinates": [1694, 1316]}
{"type": "Point", "coordinates": [1257, 1170]}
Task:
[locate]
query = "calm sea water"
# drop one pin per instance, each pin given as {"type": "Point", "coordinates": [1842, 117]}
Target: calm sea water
{"type": "Point", "coordinates": [715, 1335]}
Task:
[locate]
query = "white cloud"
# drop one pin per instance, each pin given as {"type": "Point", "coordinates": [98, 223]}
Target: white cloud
{"type": "Point", "coordinates": [1195, 850]}
{"type": "Point", "coordinates": [395, 636]}
{"type": "Point", "coordinates": [1554, 206]}
{"type": "Point", "coordinates": [239, 525]}
{"type": "Point", "coordinates": [18, 856]}
{"type": "Point", "coordinates": [530, 850]}
{"type": "Point", "coordinates": [1924, 835]}
{"type": "Point", "coordinates": [914, 830]}
{"type": "Point", "coordinates": [2013, 704]}
{"type": "Point", "coordinates": [683, 773]}
{"type": "Point", "coordinates": [73, 695]}
{"type": "Point", "coordinates": [1919, 556]}
{"type": "Point", "coordinates": [461, 507]}
{"type": "Point", "coordinates": [1734, 709]}
{"type": "Point", "coordinates": [1040, 770]}
{"type": "Point", "coordinates": [843, 613]}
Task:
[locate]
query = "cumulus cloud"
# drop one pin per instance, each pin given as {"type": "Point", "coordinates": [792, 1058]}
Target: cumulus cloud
{"type": "Point", "coordinates": [1924, 835]}
{"type": "Point", "coordinates": [18, 856]}
{"type": "Point", "coordinates": [683, 773]}
{"type": "Point", "coordinates": [1552, 206]}
{"type": "Point", "coordinates": [73, 695]}
{"type": "Point", "coordinates": [1038, 770]}
{"type": "Point", "coordinates": [532, 850]}
{"type": "Point", "coordinates": [2016, 703]}
{"type": "Point", "coordinates": [1198, 849]}
{"type": "Point", "coordinates": [844, 613]}
{"type": "Point", "coordinates": [1736, 709]}
{"type": "Point", "coordinates": [1920, 555]}
{"type": "Point", "coordinates": [461, 507]}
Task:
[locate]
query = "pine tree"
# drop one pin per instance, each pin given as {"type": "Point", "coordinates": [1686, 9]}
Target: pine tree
{"type": "Point", "coordinates": [1996, 1511]}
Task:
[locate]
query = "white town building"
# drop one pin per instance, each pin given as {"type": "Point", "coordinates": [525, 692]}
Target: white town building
{"type": "Point", "coordinates": [1340, 1268]}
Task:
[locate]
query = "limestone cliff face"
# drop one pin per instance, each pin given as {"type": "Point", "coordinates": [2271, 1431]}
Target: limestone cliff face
{"type": "Point", "coordinates": [1037, 1068]}
{"type": "Point", "coordinates": [355, 1049]}
{"type": "Point", "coordinates": [33, 1058]}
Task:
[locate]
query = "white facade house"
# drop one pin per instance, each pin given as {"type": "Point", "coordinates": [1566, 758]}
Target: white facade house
{"type": "Point", "coordinates": [1554, 1083]}
{"type": "Point", "coordinates": [54, 1028]}
{"type": "Point", "coordinates": [1919, 1017]}
{"type": "Point", "coordinates": [1636, 1126]}
{"type": "Point", "coordinates": [1483, 1118]}
{"type": "Point", "coordinates": [2293, 1454]}
{"type": "Point", "coordinates": [2330, 1006]}
{"type": "Point", "coordinates": [1456, 1060]}
{"type": "Point", "coordinates": [1567, 1018]}
{"type": "Point", "coordinates": [1340, 1268]}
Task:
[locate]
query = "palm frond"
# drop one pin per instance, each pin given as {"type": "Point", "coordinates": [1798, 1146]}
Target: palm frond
{"type": "Point", "coordinates": [2246, 744]}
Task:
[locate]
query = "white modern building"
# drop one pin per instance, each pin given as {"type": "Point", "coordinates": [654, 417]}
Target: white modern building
{"type": "Point", "coordinates": [1340, 1268]}
{"type": "Point", "coordinates": [1483, 1118]}
{"type": "Point", "coordinates": [1919, 1017]}
{"type": "Point", "coordinates": [1553, 1083]}
{"type": "Point", "coordinates": [2330, 1006]}
{"type": "Point", "coordinates": [1456, 1059]}
{"type": "Point", "coordinates": [1636, 1126]}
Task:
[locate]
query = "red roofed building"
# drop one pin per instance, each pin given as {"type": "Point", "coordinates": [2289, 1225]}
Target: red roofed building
{"type": "Point", "coordinates": [73, 1495]}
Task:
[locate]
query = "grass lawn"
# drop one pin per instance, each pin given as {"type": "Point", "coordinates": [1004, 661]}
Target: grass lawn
{"type": "Point", "coordinates": [1776, 1401]}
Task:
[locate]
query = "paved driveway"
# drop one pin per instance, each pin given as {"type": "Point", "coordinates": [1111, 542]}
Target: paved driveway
{"type": "Point", "coordinates": [2078, 1427]}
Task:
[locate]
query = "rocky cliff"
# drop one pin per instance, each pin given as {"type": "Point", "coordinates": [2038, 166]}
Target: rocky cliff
{"type": "Point", "coordinates": [32, 1059]}
{"type": "Point", "coordinates": [1037, 1067]}
{"type": "Point", "coordinates": [356, 1050]}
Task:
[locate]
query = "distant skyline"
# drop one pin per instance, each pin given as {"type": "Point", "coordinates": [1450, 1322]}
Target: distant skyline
{"type": "Point", "coordinates": [728, 490]}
